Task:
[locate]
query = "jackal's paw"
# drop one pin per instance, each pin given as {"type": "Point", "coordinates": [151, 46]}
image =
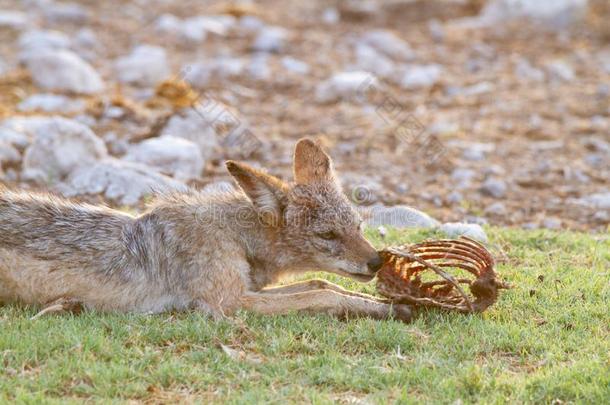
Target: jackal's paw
{"type": "Point", "coordinates": [402, 313]}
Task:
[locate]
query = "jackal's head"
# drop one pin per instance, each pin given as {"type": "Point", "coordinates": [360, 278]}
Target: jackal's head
{"type": "Point", "coordinates": [312, 224]}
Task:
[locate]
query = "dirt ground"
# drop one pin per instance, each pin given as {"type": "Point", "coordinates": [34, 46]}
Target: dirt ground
{"type": "Point", "coordinates": [546, 139]}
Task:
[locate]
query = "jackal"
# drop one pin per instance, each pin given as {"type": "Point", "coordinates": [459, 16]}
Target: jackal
{"type": "Point", "coordinates": [212, 252]}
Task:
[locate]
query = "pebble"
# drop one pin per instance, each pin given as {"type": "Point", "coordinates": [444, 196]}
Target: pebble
{"type": "Point", "coordinates": [58, 147]}
{"type": "Point", "coordinates": [51, 103]}
{"type": "Point", "coordinates": [494, 187]}
{"type": "Point", "coordinates": [345, 86]}
{"type": "Point", "coordinates": [125, 183]}
{"type": "Point", "coordinates": [418, 76]}
{"type": "Point", "coordinates": [170, 155]}
{"type": "Point", "coordinates": [36, 40]}
{"type": "Point", "coordinates": [388, 43]}
{"type": "Point", "coordinates": [270, 39]}
{"type": "Point", "coordinates": [15, 20]}
{"type": "Point", "coordinates": [295, 65]}
{"type": "Point", "coordinates": [63, 70]}
{"type": "Point", "coordinates": [399, 216]}
{"type": "Point", "coordinates": [497, 208]}
{"type": "Point", "coordinates": [147, 65]}
{"type": "Point", "coordinates": [551, 223]}
{"type": "Point", "coordinates": [197, 128]}
{"type": "Point", "coordinates": [553, 14]}
{"type": "Point", "coordinates": [597, 200]}
{"type": "Point", "coordinates": [457, 229]}
{"type": "Point", "coordinates": [463, 177]}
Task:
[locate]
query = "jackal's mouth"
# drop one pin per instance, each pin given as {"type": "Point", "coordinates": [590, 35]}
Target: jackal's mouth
{"type": "Point", "coordinates": [365, 278]}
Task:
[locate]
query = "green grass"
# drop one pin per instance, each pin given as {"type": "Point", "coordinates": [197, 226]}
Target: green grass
{"type": "Point", "coordinates": [546, 340]}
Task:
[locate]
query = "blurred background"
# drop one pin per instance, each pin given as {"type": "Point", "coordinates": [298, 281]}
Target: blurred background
{"type": "Point", "coordinates": [471, 111]}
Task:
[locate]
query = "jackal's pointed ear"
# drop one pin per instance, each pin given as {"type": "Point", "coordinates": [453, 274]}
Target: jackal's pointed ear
{"type": "Point", "coordinates": [311, 163]}
{"type": "Point", "coordinates": [267, 193]}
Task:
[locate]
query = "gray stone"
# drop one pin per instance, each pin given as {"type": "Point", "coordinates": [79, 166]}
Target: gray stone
{"type": "Point", "coordinates": [368, 59]}
{"type": "Point", "coordinates": [496, 208]}
{"type": "Point", "coordinates": [37, 40]}
{"type": "Point", "coordinates": [73, 13]}
{"type": "Point", "coordinates": [345, 86]}
{"type": "Point", "coordinates": [51, 103]}
{"type": "Point", "coordinates": [389, 44]}
{"type": "Point", "coordinates": [551, 223]}
{"type": "Point", "coordinates": [524, 71]}
{"type": "Point", "coordinates": [554, 14]}
{"type": "Point", "coordinates": [170, 155]}
{"type": "Point", "coordinates": [295, 65]}
{"type": "Point", "coordinates": [331, 16]}
{"type": "Point", "coordinates": [59, 146]}
{"type": "Point", "coordinates": [270, 39]}
{"type": "Point", "coordinates": [399, 216]}
{"type": "Point", "coordinates": [146, 66]}
{"type": "Point", "coordinates": [15, 20]}
{"type": "Point", "coordinates": [561, 70]}
{"type": "Point", "coordinates": [454, 197]}
{"type": "Point", "coordinates": [196, 127]}
{"type": "Point", "coordinates": [123, 182]}
{"type": "Point", "coordinates": [419, 76]}
{"type": "Point", "coordinates": [463, 177]}
{"type": "Point", "coordinates": [598, 200]}
{"type": "Point", "coordinates": [494, 187]}
{"type": "Point", "coordinates": [456, 229]}
{"type": "Point", "coordinates": [199, 75]}
{"type": "Point", "coordinates": [63, 70]}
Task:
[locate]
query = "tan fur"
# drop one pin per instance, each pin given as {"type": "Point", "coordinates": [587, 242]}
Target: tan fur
{"type": "Point", "coordinates": [215, 253]}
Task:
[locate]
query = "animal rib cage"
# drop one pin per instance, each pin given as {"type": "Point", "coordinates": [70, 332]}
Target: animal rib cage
{"type": "Point", "coordinates": [400, 278]}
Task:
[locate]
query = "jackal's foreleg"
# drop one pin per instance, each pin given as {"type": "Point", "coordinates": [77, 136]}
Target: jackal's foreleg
{"type": "Point", "coordinates": [324, 301]}
{"type": "Point", "coordinates": [315, 284]}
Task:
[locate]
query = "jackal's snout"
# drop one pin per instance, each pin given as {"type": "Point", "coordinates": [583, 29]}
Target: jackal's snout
{"type": "Point", "coordinates": [375, 263]}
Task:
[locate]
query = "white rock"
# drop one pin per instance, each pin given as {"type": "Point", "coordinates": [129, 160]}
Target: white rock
{"type": "Point", "coordinates": [170, 155]}
{"type": "Point", "coordinates": [250, 23]}
{"type": "Point", "coordinates": [560, 70]}
{"type": "Point", "coordinates": [369, 60]}
{"type": "Point", "coordinates": [295, 65]}
{"type": "Point", "coordinates": [63, 70]}
{"type": "Point", "coordinates": [456, 229]}
{"type": "Point", "coordinates": [36, 40]}
{"type": "Point", "coordinates": [20, 131]}
{"type": "Point", "coordinates": [15, 20]}
{"type": "Point", "coordinates": [418, 76]}
{"type": "Point", "coordinates": [59, 146]}
{"type": "Point", "coordinates": [345, 86]}
{"type": "Point", "coordinates": [270, 39]}
{"type": "Point", "coordinates": [496, 208]}
{"type": "Point", "coordinates": [122, 182]}
{"type": "Point", "coordinates": [525, 71]}
{"type": "Point", "coordinates": [51, 103]}
{"type": "Point", "coordinates": [556, 14]}
{"type": "Point", "coordinates": [199, 75]}
{"type": "Point", "coordinates": [195, 29]}
{"type": "Point", "coordinates": [399, 216]}
{"type": "Point", "coordinates": [463, 177]}
{"type": "Point", "coordinates": [196, 127]}
{"type": "Point", "coordinates": [389, 44]}
{"type": "Point", "coordinates": [3, 67]}
{"type": "Point", "coordinates": [65, 13]}
{"type": "Point", "coordinates": [146, 66]}
{"type": "Point", "coordinates": [331, 16]}
{"type": "Point", "coordinates": [598, 200]}
{"type": "Point", "coordinates": [258, 68]}
{"type": "Point", "coordinates": [551, 223]}
{"type": "Point", "coordinates": [494, 187]}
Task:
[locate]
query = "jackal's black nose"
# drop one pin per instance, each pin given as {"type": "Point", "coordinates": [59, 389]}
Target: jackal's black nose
{"type": "Point", "coordinates": [375, 264]}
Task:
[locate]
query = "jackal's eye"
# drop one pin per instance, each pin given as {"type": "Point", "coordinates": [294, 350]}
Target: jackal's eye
{"type": "Point", "coordinates": [330, 235]}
